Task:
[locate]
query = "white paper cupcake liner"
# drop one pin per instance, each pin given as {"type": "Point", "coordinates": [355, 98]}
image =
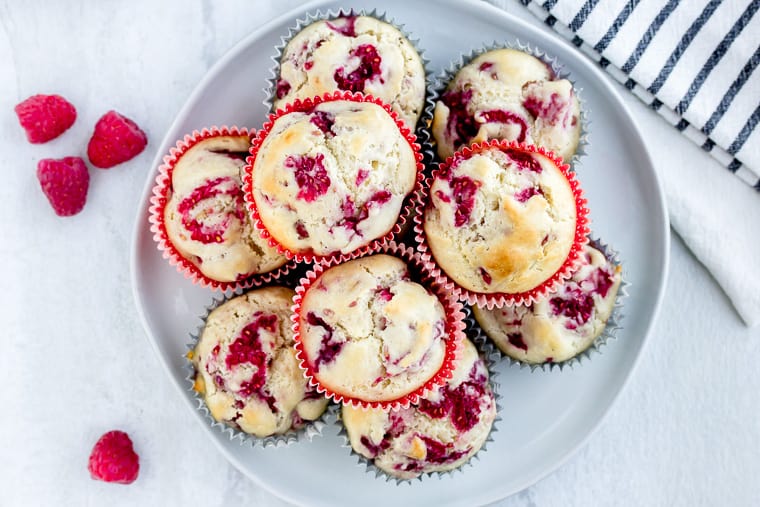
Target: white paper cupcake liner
{"type": "Point", "coordinates": [423, 135]}
{"type": "Point", "coordinates": [307, 433]}
{"type": "Point", "coordinates": [484, 343]}
{"type": "Point", "coordinates": [443, 79]}
{"type": "Point", "coordinates": [491, 358]}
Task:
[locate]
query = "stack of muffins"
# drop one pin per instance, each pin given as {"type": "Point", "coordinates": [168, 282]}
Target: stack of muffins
{"type": "Point", "coordinates": [303, 224]}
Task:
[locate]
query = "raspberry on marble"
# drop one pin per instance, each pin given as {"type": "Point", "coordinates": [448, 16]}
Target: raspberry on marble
{"type": "Point", "coordinates": [65, 183]}
{"type": "Point", "coordinates": [45, 117]}
{"type": "Point", "coordinates": [113, 459]}
{"type": "Point", "coordinates": [116, 139]}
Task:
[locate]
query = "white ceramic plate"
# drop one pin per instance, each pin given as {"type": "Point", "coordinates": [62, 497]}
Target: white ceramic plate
{"type": "Point", "coordinates": [545, 416]}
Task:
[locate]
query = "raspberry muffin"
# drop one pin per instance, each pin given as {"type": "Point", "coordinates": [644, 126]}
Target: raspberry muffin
{"type": "Point", "coordinates": [558, 326]}
{"type": "Point", "coordinates": [507, 94]}
{"type": "Point", "coordinates": [205, 217]}
{"type": "Point", "coordinates": [246, 369]}
{"type": "Point", "coordinates": [368, 333]}
{"type": "Point", "coordinates": [356, 54]}
{"type": "Point", "coordinates": [448, 426]}
{"type": "Point", "coordinates": [503, 219]}
{"type": "Point", "coordinates": [332, 176]}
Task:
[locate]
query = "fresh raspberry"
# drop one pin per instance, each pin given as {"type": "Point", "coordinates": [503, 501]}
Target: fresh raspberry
{"type": "Point", "coordinates": [45, 117]}
{"type": "Point", "coordinates": [116, 139]}
{"type": "Point", "coordinates": [113, 459]}
{"type": "Point", "coordinates": [65, 184]}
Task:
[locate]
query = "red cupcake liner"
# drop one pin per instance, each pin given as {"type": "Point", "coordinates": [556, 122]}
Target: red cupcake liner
{"type": "Point", "coordinates": [498, 300]}
{"type": "Point", "coordinates": [158, 203]}
{"type": "Point", "coordinates": [454, 328]}
{"type": "Point", "coordinates": [306, 105]}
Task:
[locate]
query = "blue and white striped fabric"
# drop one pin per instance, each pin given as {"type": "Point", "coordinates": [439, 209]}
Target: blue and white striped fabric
{"type": "Point", "coordinates": [693, 61]}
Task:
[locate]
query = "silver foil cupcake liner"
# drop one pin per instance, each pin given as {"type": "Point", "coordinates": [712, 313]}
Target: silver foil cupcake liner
{"type": "Point", "coordinates": [484, 343]}
{"type": "Point", "coordinates": [307, 433]}
{"type": "Point", "coordinates": [443, 79]}
{"type": "Point", "coordinates": [420, 129]}
{"type": "Point", "coordinates": [491, 357]}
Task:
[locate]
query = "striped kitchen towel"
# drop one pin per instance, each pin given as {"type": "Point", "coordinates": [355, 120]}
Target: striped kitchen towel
{"type": "Point", "coordinates": [693, 61]}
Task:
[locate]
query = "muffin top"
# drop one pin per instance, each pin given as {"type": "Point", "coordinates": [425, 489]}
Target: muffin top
{"type": "Point", "coordinates": [560, 325]}
{"type": "Point", "coordinates": [205, 217]}
{"type": "Point", "coordinates": [353, 53]}
{"type": "Point", "coordinates": [502, 220]}
{"type": "Point", "coordinates": [507, 94]}
{"type": "Point", "coordinates": [442, 432]}
{"type": "Point", "coordinates": [247, 371]}
{"type": "Point", "coordinates": [371, 333]}
{"type": "Point", "coordinates": [333, 178]}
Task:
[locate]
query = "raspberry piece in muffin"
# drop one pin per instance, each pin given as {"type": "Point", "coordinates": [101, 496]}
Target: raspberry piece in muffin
{"type": "Point", "coordinates": [560, 325]}
{"type": "Point", "coordinates": [357, 54]}
{"type": "Point", "coordinates": [500, 220]}
{"type": "Point", "coordinates": [247, 372]}
{"type": "Point", "coordinates": [205, 216]}
{"type": "Point", "coordinates": [332, 178]}
{"type": "Point", "coordinates": [369, 332]}
{"type": "Point", "coordinates": [442, 432]}
{"type": "Point", "coordinates": [507, 94]}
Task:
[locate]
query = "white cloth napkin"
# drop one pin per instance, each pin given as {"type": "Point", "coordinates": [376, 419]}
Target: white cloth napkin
{"type": "Point", "coordinates": [716, 214]}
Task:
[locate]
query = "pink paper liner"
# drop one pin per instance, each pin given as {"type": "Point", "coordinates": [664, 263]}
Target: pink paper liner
{"type": "Point", "coordinates": [158, 203]}
{"type": "Point", "coordinates": [306, 105]}
{"type": "Point", "coordinates": [498, 300]}
{"type": "Point", "coordinates": [454, 327]}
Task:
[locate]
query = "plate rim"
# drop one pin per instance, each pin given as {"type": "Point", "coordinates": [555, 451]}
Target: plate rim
{"type": "Point", "coordinates": [296, 13]}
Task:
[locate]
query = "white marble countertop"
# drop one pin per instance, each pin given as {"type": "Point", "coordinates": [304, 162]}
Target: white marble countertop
{"type": "Point", "coordinates": [684, 432]}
